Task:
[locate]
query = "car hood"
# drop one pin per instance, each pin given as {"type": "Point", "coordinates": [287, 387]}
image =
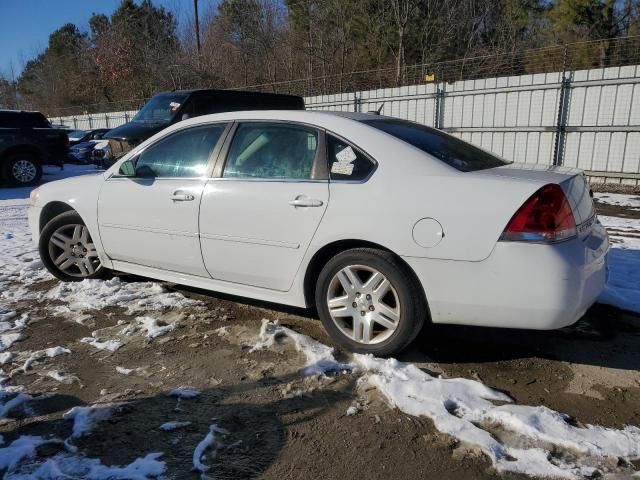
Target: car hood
{"type": "Point", "coordinates": [135, 132]}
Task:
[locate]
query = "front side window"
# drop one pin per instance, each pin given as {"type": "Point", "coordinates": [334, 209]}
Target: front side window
{"type": "Point", "coordinates": [347, 162]}
{"type": "Point", "coordinates": [451, 150]}
{"type": "Point", "coordinates": [264, 150]}
{"type": "Point", "coordinates": [183, 154]}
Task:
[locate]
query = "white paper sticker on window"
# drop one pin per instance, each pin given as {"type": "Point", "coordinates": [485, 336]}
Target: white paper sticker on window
{"type": "Point", "coordinates": [174, 106]}
{"type": "Point", "coordinates": [342, 168]}
{"type": "Point", "coordinates": [346, 156]}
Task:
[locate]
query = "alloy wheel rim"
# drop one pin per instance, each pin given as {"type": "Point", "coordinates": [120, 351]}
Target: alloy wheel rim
{"type": "Point", "coordinates": [24, 171]}
{"type": "Point", "coordinates": [73, 252]}
{"type": "Point", "coordinates": [363, 304]}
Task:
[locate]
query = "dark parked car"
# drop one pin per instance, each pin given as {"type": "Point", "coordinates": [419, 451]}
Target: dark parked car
{"type": "Point", "coordinates": [82, 136]}
{"type": "Point", "coordinates": [82, 152]}
{"type": "Point", "coordinates": [167, 108]}
{"type": "Point", "coordinates": [27, 141]}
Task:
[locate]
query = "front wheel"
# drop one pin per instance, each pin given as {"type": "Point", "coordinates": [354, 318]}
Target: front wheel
{"type": "Point", "coordinates": [67, 250]}
{"type": "Point", "coordinates": [369, 302]}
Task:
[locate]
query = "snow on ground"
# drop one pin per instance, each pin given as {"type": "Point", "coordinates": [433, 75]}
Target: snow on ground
{"type": "Point", "coordinates": [517, 438]}
{"type": "Point", "coordinates": [619, 199]}
{"type": "Point", "coordinates": [320, 358]}
{"type": "Point", "coordinates": [209, 442]}
{"type": "Point", "coordinates": [623, 285]}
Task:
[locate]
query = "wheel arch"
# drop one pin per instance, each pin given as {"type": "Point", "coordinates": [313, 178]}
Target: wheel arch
{"type": "Point", "coordinates": [322, 255]}
{"type": "Point", "coordinates": [52, 210]}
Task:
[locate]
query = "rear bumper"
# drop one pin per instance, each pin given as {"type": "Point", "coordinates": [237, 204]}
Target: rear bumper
{"type": "Point", "coordinates": [532, 286]}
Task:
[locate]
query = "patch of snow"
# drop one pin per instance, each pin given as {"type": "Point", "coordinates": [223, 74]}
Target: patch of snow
{"type": "Point", "coordinates": [170, 426]}
{"type": "Point", "coordinates": [623, 285]}
{"type": "Point", "coordinates": [184, 392]}
{"type": "Point", "coordinates": [14, 402]}
{"type": "Point", "coordinates": [135, 296]}
{"type": "Point", "coordinates": [64, 465]}
{"type": "Point", "coordinates": [517, 438]}
{"type": "Point", "coordinates": [352, 410]}
{"type": "Point", "coordinates": [125, 371]}
{"type": "Point", "coordinates": [6, 357]}
{"type": "Point", "coordinates": [62, 377]}
{"type": "Point", "coordinates": [8, 339]}
{"type": "Point", "coordinates": [85, 418]}
{"type": "Point", "coordinates": [320, 359]}
{"type": "Point", "coordinates": [46, 353]}
{"type": "Point", "coordinates": [208, 442]}
{"type": "Point", "coordinates": [110, 345]}
{"type": "Point", "coordinates": [153, 328]}
{"type": "Point", "coordinates": [21, 448]}
{"type": "Point", "coordinates": [622, 200]}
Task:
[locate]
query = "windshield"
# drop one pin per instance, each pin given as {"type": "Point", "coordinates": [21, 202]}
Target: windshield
{"type": "Point", "coordinates": [76, 134]}
{"type": "Point", "coordinates": [454, 152]}
{"type": "Point", "coordinates": [161, 108]}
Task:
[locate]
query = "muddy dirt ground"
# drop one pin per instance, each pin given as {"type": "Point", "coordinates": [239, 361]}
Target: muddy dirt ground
{"type": "Point", "coordinates": [284, 426]}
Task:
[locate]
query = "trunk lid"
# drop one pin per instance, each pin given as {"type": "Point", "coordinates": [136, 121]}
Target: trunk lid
{"type": "Point", "coordinates": [572, 181]}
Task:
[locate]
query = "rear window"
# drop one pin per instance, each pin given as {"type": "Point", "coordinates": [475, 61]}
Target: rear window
{"type": "Point", "coordinates": [454, 152]}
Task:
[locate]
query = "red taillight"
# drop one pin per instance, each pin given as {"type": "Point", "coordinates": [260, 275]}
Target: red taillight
{"type": "Point", "coordinates": [545, 217]}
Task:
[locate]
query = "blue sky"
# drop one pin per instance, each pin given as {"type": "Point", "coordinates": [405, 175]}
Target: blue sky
{"type": "Point", "coordinates": [25, 25]}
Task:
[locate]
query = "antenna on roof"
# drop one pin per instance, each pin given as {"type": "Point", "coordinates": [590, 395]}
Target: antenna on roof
{"type": "Point", "coordinates": [378, 111]}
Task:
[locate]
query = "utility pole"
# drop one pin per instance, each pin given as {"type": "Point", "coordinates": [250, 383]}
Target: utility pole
{"type": "Point", "coordinates": [197, 25]}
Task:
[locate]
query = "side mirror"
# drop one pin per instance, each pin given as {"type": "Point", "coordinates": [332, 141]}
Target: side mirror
{"type": "Point", "coordinates": [128, 169]}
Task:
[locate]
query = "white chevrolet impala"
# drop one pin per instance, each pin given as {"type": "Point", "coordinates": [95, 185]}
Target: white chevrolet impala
{"type": "Point", "coordinates": [382, 224]}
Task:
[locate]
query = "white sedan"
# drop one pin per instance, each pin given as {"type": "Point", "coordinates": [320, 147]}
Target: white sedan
{"type": "Point", "coordinates": [381, 224]}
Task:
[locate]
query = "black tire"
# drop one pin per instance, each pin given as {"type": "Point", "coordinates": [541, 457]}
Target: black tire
{"type": "Point", "coordinates": [22, 169]}
{"type": "Point", "coordinates": [48, 250]}
{"type": "Point", "coordinates": [412, 304]}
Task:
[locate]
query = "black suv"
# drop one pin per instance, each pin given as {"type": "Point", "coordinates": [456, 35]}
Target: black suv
{"type": "Point", "coordinates": [167, 108]}
{"type": "Point", "coordinates": [27, 141]}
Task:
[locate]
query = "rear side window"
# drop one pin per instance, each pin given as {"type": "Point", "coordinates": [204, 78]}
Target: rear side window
{"type": "Point", "coordinates": [454, 152]}
{"type": "Point", "coordinates": [268, 150]}
{"type": "Point", "coordinates": [347, 162]}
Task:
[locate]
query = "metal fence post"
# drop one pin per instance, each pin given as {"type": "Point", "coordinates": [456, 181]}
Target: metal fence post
{"type": "Point", "coordinates": [106, 120]}
{"type": "Point", "coordinates": [356, 103]}
{"type": "Point", "coordinates": [75, 123]}
{"type": "Point", "coordinates": [561, 123]}
{"type": "Point", "coordinates": [90, 121]}
{"type": "Point", "coordinates": [438, 121]}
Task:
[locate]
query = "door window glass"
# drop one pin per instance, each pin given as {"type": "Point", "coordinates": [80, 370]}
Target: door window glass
{"type": "Point", "coordinates": [262, 150]}
{"type": "Point", "coordinates": [183, 154]}
{"type": "Point", "coordinates": [347, 162]}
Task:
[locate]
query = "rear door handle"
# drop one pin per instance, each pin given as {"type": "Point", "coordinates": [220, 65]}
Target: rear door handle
{"type": "Point", "coordinates": [306, 202]}
{"type": "Point", "coordinates": [180, 196]}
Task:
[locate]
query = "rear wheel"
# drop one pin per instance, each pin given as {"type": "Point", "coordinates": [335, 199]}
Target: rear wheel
{"type": "Point", "coordinates": [67, 250]}
{"type": "Point", "coordinates": [369, 302]}
{"type": "Point", "coordinates": [22, 169]}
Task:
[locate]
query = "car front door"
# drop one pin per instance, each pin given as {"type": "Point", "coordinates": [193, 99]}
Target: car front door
{"type": "Point", "coordinates": [148, 213]}
{"type": "Point", "coordinates": [259, 216]}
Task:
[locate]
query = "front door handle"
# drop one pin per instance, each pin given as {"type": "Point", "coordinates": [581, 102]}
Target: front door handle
{"type": "Point", "coordinates": [180, 196]}
{"type": "Point", "coordinates": [306, 202]}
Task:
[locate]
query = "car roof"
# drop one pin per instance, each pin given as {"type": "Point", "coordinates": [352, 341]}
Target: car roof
{"type": "Point", "coordinates": [321, 118]}
{"type": "Point", "coordinates": [230, 91]}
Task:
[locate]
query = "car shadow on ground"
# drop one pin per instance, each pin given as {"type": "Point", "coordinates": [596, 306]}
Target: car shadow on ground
{"type": "Point", "coordinates": [605, 336]}
{"type": "Point", "coordinates": [255, 422]}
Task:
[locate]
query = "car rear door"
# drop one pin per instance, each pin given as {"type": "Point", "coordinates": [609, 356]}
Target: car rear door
{"type": "Point", "coordinates": [259, 216]}
{"type": "Point", "coordinates": [151, 217]}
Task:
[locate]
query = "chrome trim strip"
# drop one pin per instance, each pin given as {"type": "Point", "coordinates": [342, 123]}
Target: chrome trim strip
{"type": "Point", "coordinates": [256, 241]}
{"type": "Point", "coordinates": [149, 229]}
